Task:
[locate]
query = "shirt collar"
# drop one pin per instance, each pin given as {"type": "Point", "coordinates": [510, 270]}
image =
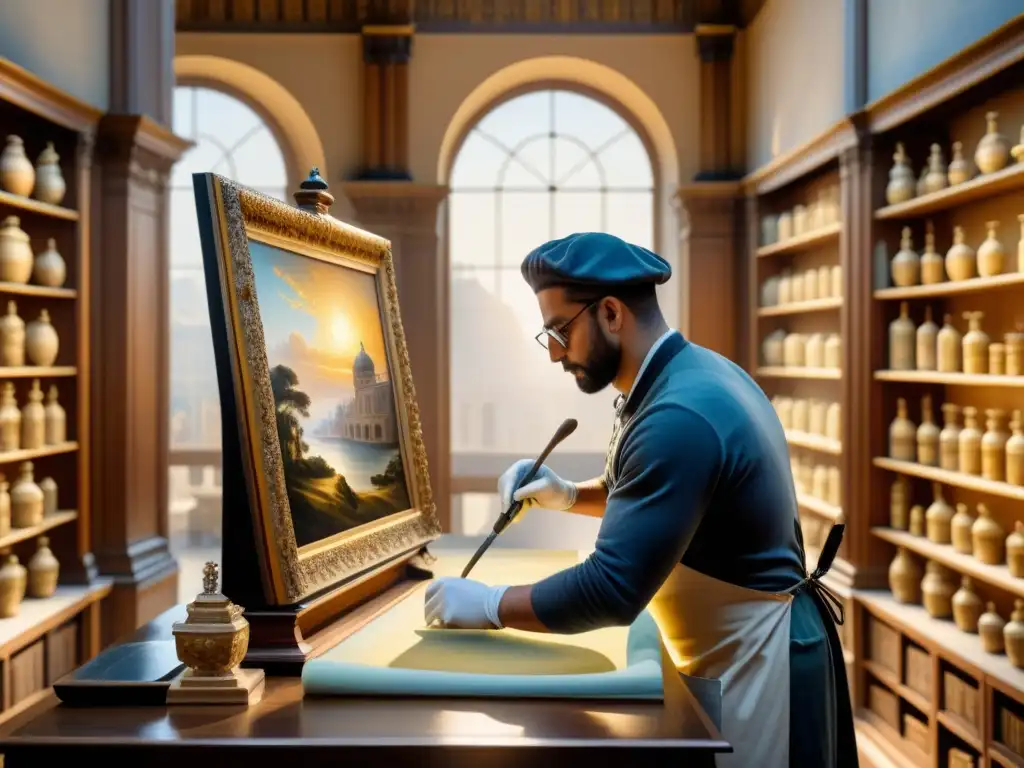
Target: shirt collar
{"type": "Point", "coordinates": [621, 400]}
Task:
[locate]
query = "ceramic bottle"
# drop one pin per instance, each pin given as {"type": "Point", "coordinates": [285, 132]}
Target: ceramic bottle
{"type": "Point", "coordinates": [49, 268]}
{"type": "Point", "coordinates": [967, 606]}
{"type": "Point", "coordinates": [772, 348]}
{"type": "Point", "coordinates": [12, 337]}
{"type": "Point", "coordinates": [969, 443]}
{"type": "Point", "coordinates": [785, 226]}
{"type": "Point", "coordinates": [917, 520]}
{"type": "Point", "coordinates": [835, 487]}
{"type": "Point", "coordinates": [926, 357]}
{"type": "Point", "coordinates": [15, 252]}
{"type": "Point", "coordinates": [975, 344]}
{"type": "Point", "coordinates": [959, 169]}
{"type": "Point", "coordinates": [17, 175]}
{"type": "Point", "coordinates": [50, 186]}
{"type": "Point", "coordinates": [793, 350]}
{"type": "Point", "coordinates": [905, 577]}
{"type": "Point", "coordinates": [1015, 550]}
{"type": "Point", "coordinates": [785, 279]}
{"type": "Point", "coordinates": [988, 538]}
{"type": "Point", "coordinates": [833, 422]}
{"type": "Point", "coordinates": [961, 261]}
{"type": "Point", "coordinates": [799, 415]}
{"type": "Point", "coordinates": [902, 340]}
{"type": "Point", "coordinates": [43, 570]}
{"type": "Point", "coordinates": [902, 185]}
{"type": "Point", "coordinates": [834, 351]}
{"type": "Point", "coordinates": [949, 345]}
{"type": "Point", "coordinates": [949, 438]}
{"type": "Point", "coordinates": [1020, 244]}
{"type": "Point", "coordinates": [899, 503]}
{"type": "Point", "coordinates": [990, 628]}
{"type": "Point", "coordinates": [26, 499]}
{"type": "Point", "coordinates": [837, 280]}
{"type": "Point", "coordinates": [993, 445]}
{"type": "Point", "coordinates": [937, 588]}
{"type": "Point", "coordinates": [991, 253]}
{"type": "Point", "coordinates": [12, 587]}
{"type": "Point", "coordinates": [902, 434]}
{"type": "Point", "coordinates": [993, 152]}
{"type": "Point", "coordinates": [10, 419]}
{"type": "Point", "coordinates": [41, 342]}
{"type": "Point", "coordinates": [938, 518]}
{"type": "Point", "coordinates": [997, 359]}
{"type": "Point", "coordinates": [816, 417]}
{"type": "Point", "coordinates": [935, 177]}
{"type": "Point", "coordinates": [1015, 350]}
{"type": "Point", "coordinates": [5, 506]}
{"type": "Point", "coordinates": [960, 530]}
{"type": "Point", "coordinates": [824, 281]}
{"type": "Point", "coordinates": [933, 266]}
{"type": "Point", "coordinates": [906, 264]}
{"type": "Point", "coordinates": [49, 488]}
{"type": "Point", "coordinates": [927, 435]}
{"type": "Point", "coordinates": [920, 186]}
{"type": "Point", "coordinates": [1013, 634]}
{"type": "Point", "coordinates": [814, 351]}
{"type": "Point", "coordinates": [33, 419]}
{"type": "Point", "coordinates": [1015, 450]}
{"type": "Point", "coordinates": [55, 419]}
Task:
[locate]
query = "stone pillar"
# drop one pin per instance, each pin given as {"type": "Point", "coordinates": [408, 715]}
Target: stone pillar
{"type": "Point", "coordinates": [709, 221]}
{"type": "Point", "coordinates": [130, 321]}
{"type": "Point", "coordinates": [715, 43]}
{"type": "Point", "coordinates": [386, 51]}
{"type": "Point", "coordinates": [409, 216]}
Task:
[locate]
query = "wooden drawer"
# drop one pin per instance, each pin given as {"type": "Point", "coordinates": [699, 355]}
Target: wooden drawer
{"type": "Point", "coordinates": [917, 671]}
{"type": "Point", "coordinates": [885, 704]}
{"type": "Point", "coordinates": [1009, 725]}
{"type": "Point", "coordinates": [960, 759]}
{"type": "Point", "coordinates": [61, 651]}
{"type": "Point", "coordinates": [28, 672]}
{"type": "Point", "coordinates": [916, 732]}
{"type": "Point", "coordinates": [883, 646]}
{"type": "Point", "coordinates": [961, 697]}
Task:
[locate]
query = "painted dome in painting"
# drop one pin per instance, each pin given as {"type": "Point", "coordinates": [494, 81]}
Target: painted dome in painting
{"type": "Point", "coordinates": [363, 363]}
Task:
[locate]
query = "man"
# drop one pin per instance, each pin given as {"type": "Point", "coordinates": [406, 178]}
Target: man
{"type": "Point", "coordinates": [699, 516]}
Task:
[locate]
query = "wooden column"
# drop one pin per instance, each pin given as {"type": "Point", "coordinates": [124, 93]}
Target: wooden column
{"type": "Point", "coordinates": [715, 43]}
{"type": "Point", "coordinates": [130, 320]}
{"type": "Point", "coordinates": [408, 215]}
{"type": "Point", "coordinates": [709, 221]}
{"type": "Point", "coordinates": [386, 52]}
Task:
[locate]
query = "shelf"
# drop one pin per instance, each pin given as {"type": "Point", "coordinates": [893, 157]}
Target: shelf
{"type": "Point", "coordinates": [24, 289]}
{"type": "Point", "coordinates": [892, 682]}
{"type": "Point", "coordinates": [34, 206]}
{"type": "Point", "coordinates": [782, 372]}
{"type": "Point", "coordinates": [1002, 756]}
{"type": "Point", "coordinates": [915, 623]}
{"type": "Point", "coordinates": [964, 379]}
{"type": "Point", "coordinates": [996, 575]}
{"type": "Point", "coordinates": [960, 728]}
{"type": "Point", "coordinates": [29, 454]}
{"type": "Point", "coordinates": [952, 287]}
{"type": "Point", "coordinates": [36, 617]}
{"type": "Point", "coordinates": [814, 442]}
{"type": "Point", "coordinates": [956, 479]}
{"type": "Point", "coordinates": [1009, 179]}
{"type": "Point", "coordinates": [818, 507]}
{"type": "Point", "coordinates": [37, 371]}
{"type": "Point", "coordinates": [798, 307]}
{"type": "Point", "coordinates": [17, 535]}
{"type": "Point", "coordinates": [808, 240]}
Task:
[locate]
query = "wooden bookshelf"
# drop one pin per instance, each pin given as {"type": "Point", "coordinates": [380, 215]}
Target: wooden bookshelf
{"type": "Point", "coordinates": [49, 636]}
{"type": "Point", "coordinates": [909, 662]}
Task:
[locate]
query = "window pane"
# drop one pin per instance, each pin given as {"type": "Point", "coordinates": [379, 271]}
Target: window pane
{"type": "Point", "coordinates": [186, 250]}
{"type": "Point", "coordinates": [183, 113]}
{"type": "Point", "coordinates": [586, 119]}
{"type": "Point", "coordinates": [525, 224]}
{"type": "Point", "coordinates": [201, 158]}
{"type": "Point", "coordinates": [575, 166]}
{"type": "Point", "coordinates": [517, 119]}
{"type": "Point", "coordinates": [477, 163]}
{"type": "Point", "coordinates": [578, 212]}
{"type": "Point", "coordinates": [627, 164]}
{"type": "Point", "coordinates": [258, 161]}
{"type": "Point", "coordinates": [630, 217]}
{"type": "Point", "coordinates": [225, 117]}
{"type": "Point", "coordinates": [472, 243]}
{"type": "Point", "coordinates": [530, 166]}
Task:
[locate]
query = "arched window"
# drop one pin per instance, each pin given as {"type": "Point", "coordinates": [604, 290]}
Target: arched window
{"type": "Point", "coordinates": [538, 166]}
{"type": "Point", "coordinates": [232, 140]}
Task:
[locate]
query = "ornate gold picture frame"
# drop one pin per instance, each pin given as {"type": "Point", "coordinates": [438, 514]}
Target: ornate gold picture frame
{"type": "Point", "coordinates": [240, 230]}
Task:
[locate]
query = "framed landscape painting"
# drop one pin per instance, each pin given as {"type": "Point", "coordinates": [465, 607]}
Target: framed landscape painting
{"type": "Point", "coordinates": [312, 356]}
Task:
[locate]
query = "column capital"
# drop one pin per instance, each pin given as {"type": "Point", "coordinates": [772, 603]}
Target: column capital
{"type": "Point", "coordinates": [715, 42]}
{"type": "Point", "coordinates": [385, 44]}
{"type": "Point", "coordinates": [395, 206]}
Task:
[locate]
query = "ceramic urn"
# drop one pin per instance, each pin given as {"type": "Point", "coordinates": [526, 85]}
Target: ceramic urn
{"type": "Point", "coordinates": [43, 570]}
{"type": "Point", "coordinates": [17, 175]}
{"type": "Point", "coordinates": [50, 186]}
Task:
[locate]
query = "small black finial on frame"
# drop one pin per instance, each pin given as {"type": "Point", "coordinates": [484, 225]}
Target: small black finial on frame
{"type": "Point", "coordinates": [313, 196]}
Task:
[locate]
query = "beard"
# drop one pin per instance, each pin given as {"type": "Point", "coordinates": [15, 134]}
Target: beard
{"type": "Point", "coordinates": [600, 367]}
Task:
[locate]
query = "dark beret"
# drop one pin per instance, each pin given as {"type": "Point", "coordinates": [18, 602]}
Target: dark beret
{"type": "Point", "coordinates": [592, 260]}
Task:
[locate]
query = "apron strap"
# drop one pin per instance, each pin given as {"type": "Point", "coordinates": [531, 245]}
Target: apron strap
{"type": "Point", "coordinates": [833, 604]}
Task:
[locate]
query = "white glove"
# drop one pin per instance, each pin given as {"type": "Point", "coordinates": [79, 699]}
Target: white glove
{"type": "Point", "coordinates": [462, 604]}
{"type": "Point", "coordinates": [546, 490]}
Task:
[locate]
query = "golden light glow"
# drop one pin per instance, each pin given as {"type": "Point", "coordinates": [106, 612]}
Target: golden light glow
{"type": "Point", "coordinates": [341, 331]}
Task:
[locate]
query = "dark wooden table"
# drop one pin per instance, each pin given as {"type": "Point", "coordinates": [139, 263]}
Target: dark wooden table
{"type": "Point", "coordinates": [287, 730]}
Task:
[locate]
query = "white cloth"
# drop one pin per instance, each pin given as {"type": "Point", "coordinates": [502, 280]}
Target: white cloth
{"type": "Point", "coordinates": [740, 637]}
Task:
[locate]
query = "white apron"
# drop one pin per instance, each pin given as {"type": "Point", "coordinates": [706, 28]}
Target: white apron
{"type": "Point", "coordinates": [739, 636]}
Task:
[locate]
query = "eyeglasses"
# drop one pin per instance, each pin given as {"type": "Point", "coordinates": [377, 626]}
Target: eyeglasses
{"type": "Point", "coordinates": [560, 335]}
